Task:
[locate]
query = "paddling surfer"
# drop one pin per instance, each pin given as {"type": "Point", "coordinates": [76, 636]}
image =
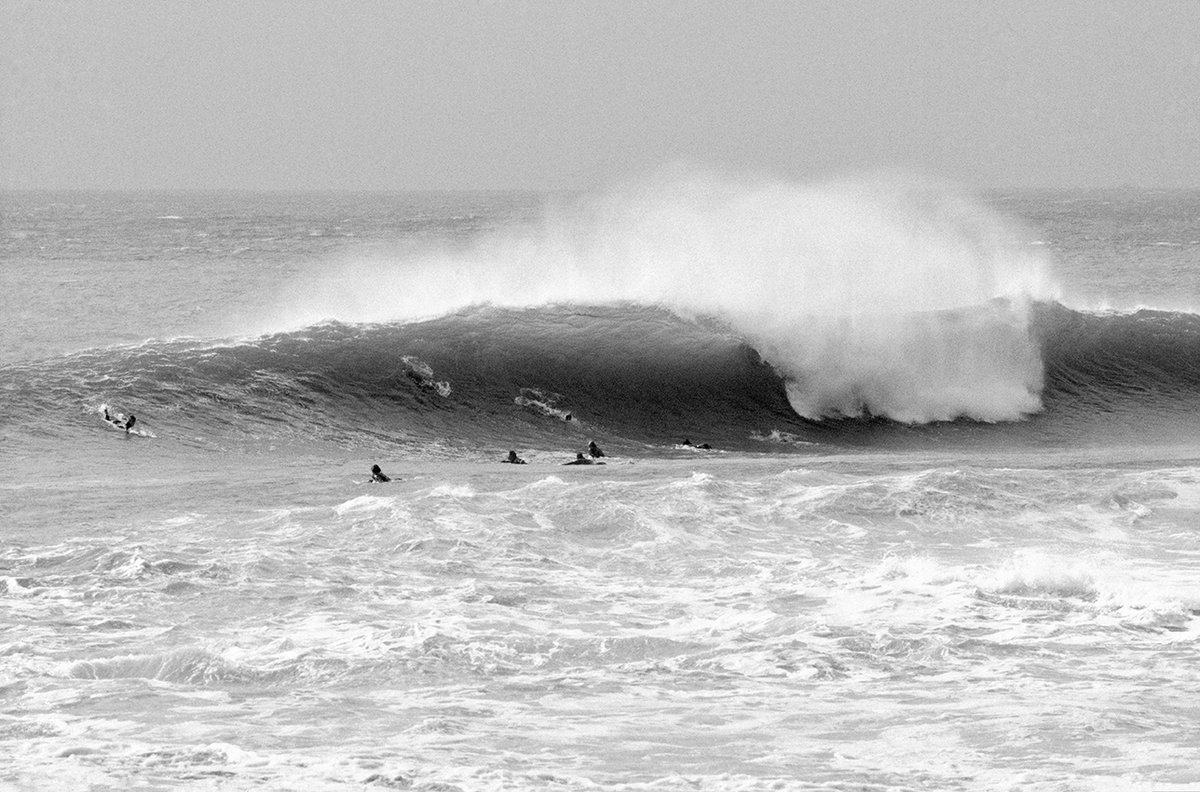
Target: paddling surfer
{"type": "Point", "coordinates": [126, 425]}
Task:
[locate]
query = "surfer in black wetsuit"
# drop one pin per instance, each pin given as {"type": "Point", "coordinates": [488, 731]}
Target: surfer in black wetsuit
{"type": "Point", "coordinates": [579, 459]}
{"type": "Point", "coordinates": [116, 421]}
{"type": "Point", "coordinates": [705, 446]}
{"type": "Point", "coordinates": [594, 449]}
{"type": "Point", "coordinates": [513, 459]}
{"type": "Point", "coordinates": [378, 475]}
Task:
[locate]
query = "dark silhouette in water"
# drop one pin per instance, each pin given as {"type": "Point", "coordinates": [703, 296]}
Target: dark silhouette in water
{"type": "Point", "coordinates": [594, 449]}
{"type": "Point", "coordinates": [579, 459]}
{"type": "Point", "coordinates": [127, 425]}
{"type": "Point", "coordinates": [513, 459]}
{"type": "Point", "coordinates": [688, 442]}
{"type": "Point", "coordinates": [378, 475]}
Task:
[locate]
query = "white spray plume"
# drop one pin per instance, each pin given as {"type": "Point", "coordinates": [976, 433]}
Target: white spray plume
{"type": "Point", "coordinates": [905, 298]}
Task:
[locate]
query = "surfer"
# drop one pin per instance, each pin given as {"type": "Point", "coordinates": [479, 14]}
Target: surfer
{"type": "Point", "coordinates": [513, 459]}
{"type": "Point", "coordinates": [688, 442]}
{"type": "Point", "coordinates": [378, 475]}
{"type": "Point", "coordinates": [580, 459]}
{"type": "Point", "coordinates": [594, 449]}
{"type": "Point", "coordinates": [117, 420]}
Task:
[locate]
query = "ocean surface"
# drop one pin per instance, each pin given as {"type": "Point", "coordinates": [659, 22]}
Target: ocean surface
{"type": "Point", "coordinates": [945, 536]}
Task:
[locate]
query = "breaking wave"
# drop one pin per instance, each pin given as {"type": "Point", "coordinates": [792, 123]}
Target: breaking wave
{"type": "Point", "coordinates": [646, 375]}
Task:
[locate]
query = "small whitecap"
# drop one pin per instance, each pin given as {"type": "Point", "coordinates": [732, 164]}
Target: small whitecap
{"type": "Point", "coordinates": [362, 504]}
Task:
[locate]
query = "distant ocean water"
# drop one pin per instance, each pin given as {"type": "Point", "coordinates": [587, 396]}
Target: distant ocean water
{"type": "Point", "coordinates": [947, 535]}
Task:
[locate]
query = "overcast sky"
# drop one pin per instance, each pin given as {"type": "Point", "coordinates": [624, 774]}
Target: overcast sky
{"type": "Point", "coordinates": [405, 95]}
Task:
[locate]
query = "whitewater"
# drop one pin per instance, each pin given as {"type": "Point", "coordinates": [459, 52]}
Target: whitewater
{"type": "Point", "coordinates": [945, 533]}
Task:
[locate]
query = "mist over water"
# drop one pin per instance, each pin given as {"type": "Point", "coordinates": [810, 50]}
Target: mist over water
{"type": "Point", "coordinates": [903, 298]}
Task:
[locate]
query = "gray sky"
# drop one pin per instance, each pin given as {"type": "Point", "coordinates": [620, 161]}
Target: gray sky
{"type": "Point", "coordinates": [353, 94]}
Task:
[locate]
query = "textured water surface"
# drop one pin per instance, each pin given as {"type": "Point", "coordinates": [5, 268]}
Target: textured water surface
{"type": "Point", "coordinates": [949, 546]}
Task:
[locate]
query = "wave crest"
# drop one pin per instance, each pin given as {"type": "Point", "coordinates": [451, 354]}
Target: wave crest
{"type": "Point", "coordinates": [903, 298]}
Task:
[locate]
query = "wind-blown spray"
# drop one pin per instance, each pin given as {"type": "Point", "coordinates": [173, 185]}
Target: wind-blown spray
{"type": "Point", "coordinates": [901, 299]}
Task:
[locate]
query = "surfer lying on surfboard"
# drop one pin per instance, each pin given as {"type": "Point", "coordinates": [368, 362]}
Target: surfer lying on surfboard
{"type": "Point", "coordinates": [378, 475]}
{"type": "Point", "coordinates": [126, 425]}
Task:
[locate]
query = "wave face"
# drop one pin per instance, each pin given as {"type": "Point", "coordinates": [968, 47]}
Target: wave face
{"type": "Point", "coordinates": [491, 374]}
{"type": "Point", "coordinates": [629, 374]}
{"type": "Point", "coordinates": [1141, 363]}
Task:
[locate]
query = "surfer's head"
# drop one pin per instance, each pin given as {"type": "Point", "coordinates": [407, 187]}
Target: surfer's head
{"type": "Point", "coordinates": [375, 469]}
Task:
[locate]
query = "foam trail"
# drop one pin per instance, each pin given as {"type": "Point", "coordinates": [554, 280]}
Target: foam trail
{"type": "Point", "coordinates": [902, 298]}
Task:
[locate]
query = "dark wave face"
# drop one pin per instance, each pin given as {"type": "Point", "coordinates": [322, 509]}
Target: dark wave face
{"type": "Point", "coordinates": [1134, 375]}
{"type": "Point", "coordinates": [641, 378]}
{"type": "Point", "coordinates": [506, 378]}
{"type": "Point", "coordinates": [1148, 358]}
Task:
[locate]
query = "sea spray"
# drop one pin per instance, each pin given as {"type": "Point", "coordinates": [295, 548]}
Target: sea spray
{"type": "Point", "coordinates": [902, 299]}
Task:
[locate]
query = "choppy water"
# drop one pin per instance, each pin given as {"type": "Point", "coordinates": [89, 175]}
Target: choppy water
{"type": "Point", "coordinates": [948, 535]}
